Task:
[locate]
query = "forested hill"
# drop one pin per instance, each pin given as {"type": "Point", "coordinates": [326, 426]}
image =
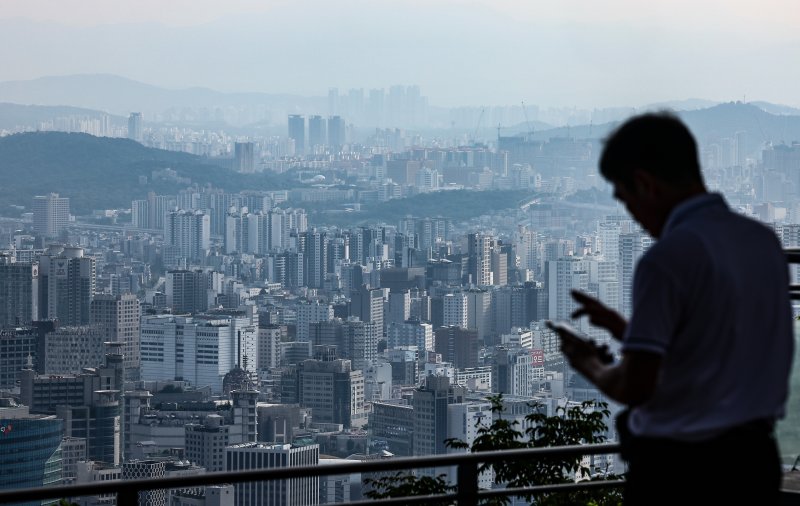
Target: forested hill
{"type": "Point", "coordinates": [103, 172]}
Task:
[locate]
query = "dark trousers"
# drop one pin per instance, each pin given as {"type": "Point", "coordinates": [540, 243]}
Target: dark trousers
{"type": "Point", "coordinates": [741, 466]}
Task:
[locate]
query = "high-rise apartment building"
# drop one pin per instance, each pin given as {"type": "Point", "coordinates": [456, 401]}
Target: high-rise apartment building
{"type": "Point", "coordinates": [317, 133]}
{"type": "Point", "coordinates": [244, 157]}
{"type": "Point", "coordinates": [297, 132]}
{"type": "Point", "coordinates": [19, 292]}
{"type": "Point", "coordinates": [190, 292]}
{"type": "Point", "coordinates": [189, 233]}
{"type": "Point", "coordinates": [118, 317]}
{"type": "Point", "coordinates": [135, 132]}
{"type": "Point", "coordinates": [50, 214]}
{"type": "Point", "coordinates": [631, 248]}
{"type": "Point", "coordinates": [480, 259]}
{"type": "Point", "coordinates": [337, 136]}
{"type": "Point", "coordinates": [410, 333]}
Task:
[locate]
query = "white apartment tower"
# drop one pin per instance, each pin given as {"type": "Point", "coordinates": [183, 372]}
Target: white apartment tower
{"type": "Point", "coordinates": [50, 214]}
{"type": "Point", "coordinates": [455, 310]}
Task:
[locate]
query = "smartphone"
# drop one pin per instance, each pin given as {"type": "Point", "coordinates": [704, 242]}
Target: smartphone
{"type": "Point", "coordinates": [565, 329]}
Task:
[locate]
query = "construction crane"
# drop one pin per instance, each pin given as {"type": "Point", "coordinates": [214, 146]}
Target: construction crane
{"type": "Point", "coordinates": [527, 121]}
{"type": "Point", "coordinates": [478, 126]}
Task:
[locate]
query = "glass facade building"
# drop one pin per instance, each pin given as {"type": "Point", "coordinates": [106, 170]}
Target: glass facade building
{"type": "Point", "coordinates": [30, 452]}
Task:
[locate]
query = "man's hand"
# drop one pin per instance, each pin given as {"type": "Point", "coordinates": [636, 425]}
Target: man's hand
{"type": "Point", "coordinates": [599, 314]}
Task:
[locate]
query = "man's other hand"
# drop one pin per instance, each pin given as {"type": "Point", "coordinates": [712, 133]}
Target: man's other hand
{"type": "Point", "coordinates": [599, 314]}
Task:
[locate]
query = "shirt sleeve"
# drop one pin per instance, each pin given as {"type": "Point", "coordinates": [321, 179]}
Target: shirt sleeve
{"type": "Point", "coordinates": [656, 309]}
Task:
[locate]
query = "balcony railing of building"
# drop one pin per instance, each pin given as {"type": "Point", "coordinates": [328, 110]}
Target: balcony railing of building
{"type": "Point", "coordinates": [466, 464]}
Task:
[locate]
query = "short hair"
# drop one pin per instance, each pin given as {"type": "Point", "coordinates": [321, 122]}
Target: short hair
{"type": "Point", "coordinates": [657, 143]}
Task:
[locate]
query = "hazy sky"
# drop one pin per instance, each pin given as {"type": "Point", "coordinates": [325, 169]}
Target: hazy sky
{"type": "Point", "coordinates": [567, 53]}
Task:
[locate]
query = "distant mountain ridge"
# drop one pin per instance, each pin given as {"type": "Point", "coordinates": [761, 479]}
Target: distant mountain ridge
{"type": "Point", "coordinates": [708, 125]}
{"type": "Point", "coordinates": [17, 115]}
{"type": "Point", "coordinates": [104, 173]}
{"type": "Point", "coordinates": [122, 96]}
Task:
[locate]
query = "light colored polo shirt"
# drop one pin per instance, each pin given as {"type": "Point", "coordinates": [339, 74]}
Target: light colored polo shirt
{"type": "Point", "coordinates": [711, 297]}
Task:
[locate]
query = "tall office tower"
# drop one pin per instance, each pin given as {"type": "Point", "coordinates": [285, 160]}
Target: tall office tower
{"type": "Point", "coordinates": [66, 285]}
{"type": "Point", "coordinates": [374, 111]}
{"type": "Point", "coordinates": [30, 449]}
{"type": "Point", "coordinates": [206, 442]}
{"type": "Point", "coordinates": [245, 423]}
{"type": "Point", "coordinates": [311, 312]}
{"type": "Point", "coordinates": [464, 420]}
{"type": "Point", "coordinates": [360, 343]}
{"type": "Point", "coordinates": [499, 264]}
{"type": "Point", "coordinates": [269, 345]}
{"type": "Point", "coordinates": [455, 310]}
{"type": "Point", "coordinates": [512, 371]}
{"type": "Point", "coordinates": [479, 311]}
{"type": "Point", "coordinates": [527, 249]}
{"type": "Point", "coordinates": [337, 136]}
{"type": "Point", "coordinates": [244, 157]}
{"type": "Point", "coordinates": [315, 256]}
{"type": "Point", "coordinates": [288, 492]}
{"type": "Point", "coordinates": [562, 276]}
{"type": "Point", "coordinates": [19, 349]}
{"type": "Point", "coordinates": [430, 403]}
{"type": "Point", "coordinates": [367, 305]}
{"type": "Point", "coordinates": [317, 134]}
{"type": "Point", "coordinates": [88, 403]}
{"type": "Point", "coordinates": [391, 426]}
{"type": "Point", "coordinates": [135, 132]}
{"type": "Point", "coordinates": [297, 132]}
{"type": "Point", "coordinates": [410, 333]}
{"type": "Point", "coordinates": [631, 248]}
{"type": "Point", "coordinates": [399, 307]}
{"type": "Point", "coordinates": [188, 292]}
{"type": "Point", "coordinates": [458, 346]}
{"type": "Point", "coordinates": [118, 318]}
{"type": "Point", "coordinates": [68, 350]}
{"type": "Point", "coordinates": [189, 232]}
{"type": "Point", "coordinates": [50, 214]}
{"type": "Point", "coordinates": [19, 292]}
{"type": "Point", "coordinates": [480, 259]}
{"type": "Point", "coordinates": [135, 406]}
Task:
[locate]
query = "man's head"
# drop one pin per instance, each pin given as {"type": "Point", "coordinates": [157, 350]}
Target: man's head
{"type": "Point", "coordinates": [652, 162]}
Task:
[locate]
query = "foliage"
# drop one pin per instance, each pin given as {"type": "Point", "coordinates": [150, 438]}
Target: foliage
{"type": "Point", "coordinates": [400, 485]}
{"type": "Point", "coordinates": [457, 205]}
{"type": "Point", "coordinates": [104, 173]}
{"type": "Point", "coordinates": [583, 424]}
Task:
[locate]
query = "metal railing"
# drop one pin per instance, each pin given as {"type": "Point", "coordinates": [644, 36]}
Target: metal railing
{"type": "Point", "coordinates": [467, 492]}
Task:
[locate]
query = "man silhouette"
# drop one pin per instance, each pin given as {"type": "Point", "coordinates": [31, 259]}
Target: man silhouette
{"type": "Point", "coordinates": [707, 352]}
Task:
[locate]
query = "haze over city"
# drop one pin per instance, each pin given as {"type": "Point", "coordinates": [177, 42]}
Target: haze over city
{"type": "Point", "coordinates": [575, 53]}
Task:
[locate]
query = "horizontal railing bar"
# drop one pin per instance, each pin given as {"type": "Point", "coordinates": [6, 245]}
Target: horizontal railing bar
{"type": "Point", "coordinates": [556, 487]}
{"type": "Point", "coordinates": [418, 499]}
{"type": "Point", "coordinates": [372, 466]}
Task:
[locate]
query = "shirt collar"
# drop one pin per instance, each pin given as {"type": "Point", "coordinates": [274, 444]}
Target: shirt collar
{"type": "Point", "coordinates": [685, 209]}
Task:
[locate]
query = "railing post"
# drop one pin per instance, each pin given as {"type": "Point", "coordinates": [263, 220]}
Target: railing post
{"type": "Point", "coordinates": [467, 480]}
{"type": "Point", "coordinates": [127, 497]}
